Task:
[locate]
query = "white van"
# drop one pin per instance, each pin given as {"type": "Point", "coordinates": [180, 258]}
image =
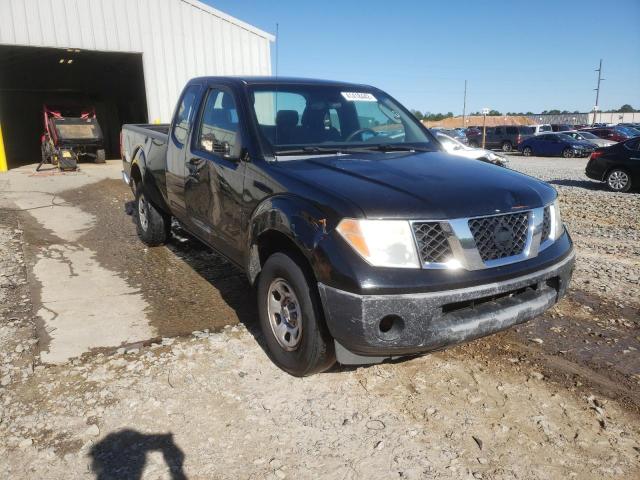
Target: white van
{"type": "Point", "coordinates": [542, 128]}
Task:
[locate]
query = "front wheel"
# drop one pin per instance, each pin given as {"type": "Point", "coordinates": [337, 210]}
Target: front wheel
{"type": "Point", "coordinates": [153, 226]}
{"type": "Point", "coordinates": [568, 153]}
{"type": "Point", "coordinates": [527, 152]}
{"type": "Point", "coordinates": [291, 318]}
{"type": "Point", "coordinates": [100, 156]}
{"type": "Point", "coordinates": [619, 180]}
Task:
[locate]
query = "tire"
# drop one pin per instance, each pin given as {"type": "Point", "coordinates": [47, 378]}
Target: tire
{"type": "Point", "coordinates": [618, 180]}
{"type": "Point", "coordinates": [473, 144]}
{"type": "Point", "coordinates": [568, 153]}
{"type": "Point", "coordinates": [288, 294]}
{"type": "Point", "coordinates": [507, 146]}
{"type": "Point", "coordinates": [100, 156]}
{"type": "Point", "coordinates": [527, 151]}
{"type": "Point", "coordinates": [153, 226]}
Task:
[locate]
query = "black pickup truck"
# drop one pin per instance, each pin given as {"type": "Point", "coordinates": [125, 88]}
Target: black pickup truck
{"type": "Point", "coordinates": [364, 239]}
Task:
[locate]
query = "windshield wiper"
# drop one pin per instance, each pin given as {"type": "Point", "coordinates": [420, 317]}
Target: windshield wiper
{"type": "Point", "coordinates": [383, 147]}
{"type": "Point", "coordinates": [309, 151]}
{"type": "Point", "coordinates": [348, 150]}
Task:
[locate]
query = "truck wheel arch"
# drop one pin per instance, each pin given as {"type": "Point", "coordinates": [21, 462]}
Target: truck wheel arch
{"type": "Point", "coordinates": [283, 225]}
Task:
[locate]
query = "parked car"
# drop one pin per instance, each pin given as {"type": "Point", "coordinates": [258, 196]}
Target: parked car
{"type": "Point", "coordinates": [555, 144]}
{"type": "Point", "coordinates": [454, 147]}
{"type": "Point", "coordinates": [453, 133]}
{"type": "Point", "coordinates": [560, 127]}
{"type": "Point", "coordinates": [541, 128]}
{"type": "Point", "coordinates": [362, 246]}
{"type": "Point", "coordinates": [617, 134]}
{"type": "Point", "coordinates": [589, 137]}
{"type": "Point", "coordinates": [632, 125]}
{"type": "Point", "coordinates": [618, 166]}
{"type": "Point", "coordinates": [506, 137]}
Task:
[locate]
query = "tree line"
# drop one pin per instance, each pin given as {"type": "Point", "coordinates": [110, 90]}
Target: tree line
{"type": "Point", "coordinates": [436, 117]}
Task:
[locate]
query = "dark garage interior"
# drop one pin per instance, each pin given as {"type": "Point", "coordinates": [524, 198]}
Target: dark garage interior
{"type": "Point", "coordinates": [30, 77]}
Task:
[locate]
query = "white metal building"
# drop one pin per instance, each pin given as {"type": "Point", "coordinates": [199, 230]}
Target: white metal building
{"type": "Point", "coordinates": [127, 58]}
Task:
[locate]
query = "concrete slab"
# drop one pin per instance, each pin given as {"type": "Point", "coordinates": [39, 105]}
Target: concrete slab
{"type": "Point", "coordinates": [82, 304]}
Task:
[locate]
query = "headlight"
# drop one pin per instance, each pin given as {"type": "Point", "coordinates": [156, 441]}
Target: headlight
{"type": "Point", "coordinates": [382, 243]}
{"type": "Point", "coordinates": [556, 221]}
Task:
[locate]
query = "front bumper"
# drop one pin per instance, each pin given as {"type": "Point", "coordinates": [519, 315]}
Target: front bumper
{"type": "Point", "coordinates": [370, 328]}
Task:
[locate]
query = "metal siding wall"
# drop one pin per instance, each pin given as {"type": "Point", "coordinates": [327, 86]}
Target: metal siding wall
{"type": "Point", "coordinates": [178, 39]}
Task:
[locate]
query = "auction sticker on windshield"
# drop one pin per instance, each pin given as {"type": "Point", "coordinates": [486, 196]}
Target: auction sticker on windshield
{"type": "Point", "coordinates": [358, 96]}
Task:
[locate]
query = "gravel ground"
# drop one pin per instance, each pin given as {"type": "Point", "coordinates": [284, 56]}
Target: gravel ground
{"type": "Point", "coordinates": [557, 398]}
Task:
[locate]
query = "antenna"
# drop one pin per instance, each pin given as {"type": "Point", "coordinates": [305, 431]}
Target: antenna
{"type": "Point", "coordinates": [277, 45]}
{"type": "Point", "coordinates": [276, 101]}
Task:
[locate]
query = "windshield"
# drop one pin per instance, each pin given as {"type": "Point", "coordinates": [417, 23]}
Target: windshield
{"type": "Point", "coordinates": [544, 128]}
{"type": "Point", "coordinates": [294, 117]}
{"type": "Point", "coordinates": [631, 132]}
{"type": "Point", "coordinates": [588, 135]}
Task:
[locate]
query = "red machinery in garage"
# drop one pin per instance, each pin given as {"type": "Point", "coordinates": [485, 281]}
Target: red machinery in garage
{"type": "Point", "coordinates": [70, 133]}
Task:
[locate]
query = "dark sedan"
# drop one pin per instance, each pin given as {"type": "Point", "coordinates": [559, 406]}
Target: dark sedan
{"type": "Point", "coordinates": [618, 166]}
{"type": "Point", "coordinates": [555, 144]}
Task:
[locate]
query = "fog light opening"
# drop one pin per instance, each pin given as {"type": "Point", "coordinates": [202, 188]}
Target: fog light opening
{"type": "Point", "coordinates": [391, 325]}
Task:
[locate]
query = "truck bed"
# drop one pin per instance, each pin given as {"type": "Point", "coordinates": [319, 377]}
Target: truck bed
{"type": "Point", "coordinates": [154, 130]}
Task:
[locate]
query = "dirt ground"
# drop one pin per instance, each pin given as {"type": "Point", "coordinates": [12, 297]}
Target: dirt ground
{"type": "Point", "coordinates": [147, 390]}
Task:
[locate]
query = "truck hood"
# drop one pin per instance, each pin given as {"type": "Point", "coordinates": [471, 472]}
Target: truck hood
{"type": "Point", "coordinates": [431, 185]}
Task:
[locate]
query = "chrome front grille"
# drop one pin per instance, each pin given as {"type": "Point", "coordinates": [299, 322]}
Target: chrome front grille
{"type": "Point", "coordinates": [546, 224]}
{"type": "Point", "coordinates": [500, 236]}
{"type": "Point", "coordinates": [482, 242]}
{"type": "Point", "coordinates": [432, 242]}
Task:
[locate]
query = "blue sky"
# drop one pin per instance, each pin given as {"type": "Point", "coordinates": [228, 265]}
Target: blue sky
{"type": "Point", "coordinates": [516, 55]}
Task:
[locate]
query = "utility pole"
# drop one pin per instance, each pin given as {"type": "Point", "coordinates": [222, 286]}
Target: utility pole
{"type": "Point", "coordinates": [597, 89]}
{"type": "Point", "coordinates": [464, 104]}
{"type": "Point", "coordinates": [485, 111]}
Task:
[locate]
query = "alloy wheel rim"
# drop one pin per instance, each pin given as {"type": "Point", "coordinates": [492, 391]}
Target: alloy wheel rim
{"type": "Point", "coordinates": [143, 210]}
{"type": "Point", "coordinates": [527, 152]}
{"type": "Point", "coordinates": [618, 180]}
{"type": "Point", "coordinates": [285, 314]}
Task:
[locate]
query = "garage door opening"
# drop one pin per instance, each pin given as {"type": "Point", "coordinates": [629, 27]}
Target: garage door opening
{"type": "Point", "coordinates": [30, 77]}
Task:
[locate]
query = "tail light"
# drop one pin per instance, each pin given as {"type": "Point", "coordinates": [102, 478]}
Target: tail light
{"type": "Point", "coordinates": [595, 154]}
{"type": "Point", "coordinates": [518, 139]}
{"type": "Point", "coordinates": [121, 146]}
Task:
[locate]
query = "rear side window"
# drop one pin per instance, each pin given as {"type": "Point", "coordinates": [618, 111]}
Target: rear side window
{"type": "Point", "coordinates": [526, 130]}
{"type": "Point", "coordinates": [184, 115]}
{"type": "Point", "coordinates": [512, 130]}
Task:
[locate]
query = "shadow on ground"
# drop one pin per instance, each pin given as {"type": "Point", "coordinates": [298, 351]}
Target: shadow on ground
{"type": "Point", "coordinates": [123, 455]}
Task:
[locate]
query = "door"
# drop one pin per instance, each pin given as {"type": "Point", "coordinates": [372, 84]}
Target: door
{"type": "Point", "coordinates": [178, 136]}
{"type": "Point", "coordinates": [215, 174]}
{"type": "Point", "coordinates": [544, 145]}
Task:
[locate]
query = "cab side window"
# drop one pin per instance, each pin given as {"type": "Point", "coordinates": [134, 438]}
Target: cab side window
{"type": "Point", "coordinates": [185, 114]}
{"type": "Point", "coordinates": [218, 129]}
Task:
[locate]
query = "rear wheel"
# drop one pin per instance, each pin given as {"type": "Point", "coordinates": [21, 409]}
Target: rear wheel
{"type": "Point", "coordinates": [527, 152]}
{"type": "Point", "coordinates": [507, 146]}
{"type": "Point", "coordinates": [153, 226]}
{"type": "Point", "coordinates": [619, 180]}
{"type": "Point", "coordinates": [291, 318]}
{"type": "Point", "coordinates": [568, 153]}
{"type": "Point", "coordinates": [473, 144]}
